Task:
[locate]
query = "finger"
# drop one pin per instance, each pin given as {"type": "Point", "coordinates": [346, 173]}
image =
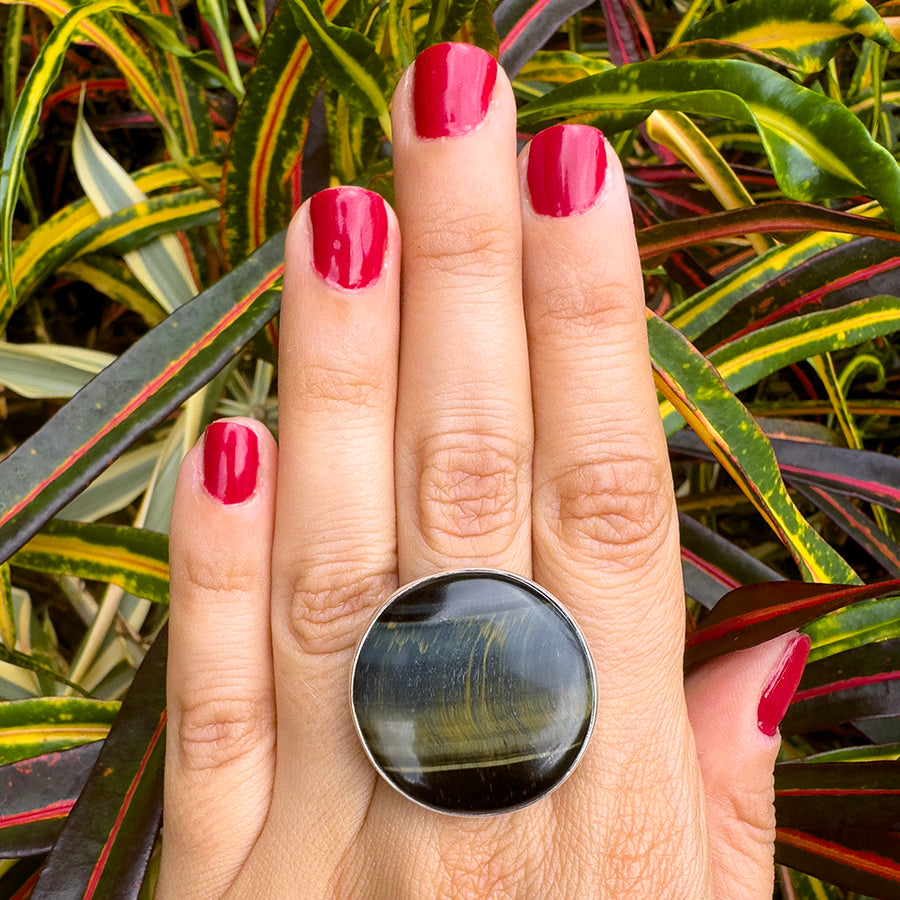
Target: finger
{"type": "Point", "coordinates": [605, 526]}
{"type": "Point", "coordinates": [464, 415]}
{"type": "Point", "coordinates": [735, 705]}
{"type": "Point", "coordinates": [220, 734]}
{"type": "Point", "coordinates": [334, 557]}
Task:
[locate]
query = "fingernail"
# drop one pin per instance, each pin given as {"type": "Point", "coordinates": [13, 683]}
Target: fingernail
{"type": "Point", "coordinates": [782, 685]}
{"type": "Point", "coordinates": [350, 227]}
{"type": "Point", "coordinates": [230, 461]}
{"type": "Point", "coordinates": [566, 168]}
{"type": "Point", "coordinates": [452, 88]}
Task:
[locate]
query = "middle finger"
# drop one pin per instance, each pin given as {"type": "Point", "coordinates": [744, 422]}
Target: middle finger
{"type": "Point", "coordinates": [464, 428]}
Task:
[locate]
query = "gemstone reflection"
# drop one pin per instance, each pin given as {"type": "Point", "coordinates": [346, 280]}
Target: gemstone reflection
{"type": "Point", "coordinates": [473, 692]}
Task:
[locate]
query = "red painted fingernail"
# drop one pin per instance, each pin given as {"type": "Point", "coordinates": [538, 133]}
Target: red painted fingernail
{"type": "Point", "coordinates": [230, 461]}
{"type": "Point", "coordinates": [566, 168]}
{"type": "Point", "coordinates": [782, 685]}
{"type": "Point", "coordinates": [350, 227]}
{"type": "Point", "coordinates": [452, 88]}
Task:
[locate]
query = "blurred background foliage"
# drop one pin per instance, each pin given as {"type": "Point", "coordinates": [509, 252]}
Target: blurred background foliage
{"type": "Point", "coordinates": [152, 156]}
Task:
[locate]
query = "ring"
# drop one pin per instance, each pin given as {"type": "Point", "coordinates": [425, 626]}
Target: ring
{"type": "Point", "coordinates": [473, 692]}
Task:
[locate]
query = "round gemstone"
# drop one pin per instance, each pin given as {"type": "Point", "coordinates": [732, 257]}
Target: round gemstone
{"type": "Point", "coordinates": [473, 692]}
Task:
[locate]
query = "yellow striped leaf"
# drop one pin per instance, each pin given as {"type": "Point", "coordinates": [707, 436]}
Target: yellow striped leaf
{"type": "Point", "coordinates": [804, 34]}
{"type": "Point", "coordinates": [797, 125]}
{"type": "Point", "coordinates": [161, 265]}
{"type": "Point", "coordinates": [691, 384]}
{"type": "Point", "coordinates": [46, 724]}
{"type": "Point", "coordinates": [132, 558]}
{"type": "Point", "coordinates": [23, 123]}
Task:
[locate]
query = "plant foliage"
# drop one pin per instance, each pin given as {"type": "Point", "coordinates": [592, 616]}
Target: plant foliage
{"type": "Point", "coordinates": [139, 298]}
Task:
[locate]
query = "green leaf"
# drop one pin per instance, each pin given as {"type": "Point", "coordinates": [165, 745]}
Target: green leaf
{"type": "Point", "coordinates": [804, 34]}
{"type": "Point", "coordinates": [46, 724]}
{"type": "Point", "coordinates": [691, 384]}
{"type": "Point", "coordinates": [132, 558]}
{"type": "Point", "coordinates": [107, 839]}
{"type": "Point", "coordinates": [266, 149]}
{"type": "Point", "coordinates": [49, 370]}
{"type": "Point", "coordinates": [161, 264]}
{"type": "Point", "coordinates": [152, 378]}
{"type": "Point", "coordinates": [749, 359]}
{"type": "Point", "coordinates": [797, 126]}
{"type": "Point", "coordinates": [348, 59]}
{"type": "Point", "coordinates": [36, 797]}
{"type": "Point", "coordinates": [23, 125]}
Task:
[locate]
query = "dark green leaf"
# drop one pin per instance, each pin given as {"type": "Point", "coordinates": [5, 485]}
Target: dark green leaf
{"type": "Point", "coordinates": [132, 394]}
{"type": "Point", "coordinates": [104, 847]}
{"type": "Point", "coordinates": [797, 125]}
{"type": "Point", "coordinates": [37, 794]}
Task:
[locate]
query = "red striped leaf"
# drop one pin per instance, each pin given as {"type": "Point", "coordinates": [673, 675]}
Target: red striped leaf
{"type": "Point", "coordinates": [872, 869]}
{"type": "Point", "coordinates": [108, 837]}
{"type": "Point", "coordinates": [712, 565]}
{"type": "Point", "coordinates": [147, 382]}
{"type": "Point", "coordinates": [849, 794]}
{"type": "Point", "coordinates": [860, 683]}
{"type": "Point", "coordinates": [870, 476]}
{"type": "Point", "coordinates": [524, 26]}
{"type": "Point", "coordinates": [658, 241]}
{"type": "Point", "coordinates": [756, 613]}
{"type": "Point", "coordinates": [857, 525]}
{"type": "Point", "coordinates": [37, 794]}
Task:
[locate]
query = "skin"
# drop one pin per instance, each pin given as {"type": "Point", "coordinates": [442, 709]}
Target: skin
{"type": "Point", "coordinates": [504, 416]}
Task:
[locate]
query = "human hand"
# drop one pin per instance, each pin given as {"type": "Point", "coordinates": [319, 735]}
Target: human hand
{"type": "Point", "coordinates": [504, 416]}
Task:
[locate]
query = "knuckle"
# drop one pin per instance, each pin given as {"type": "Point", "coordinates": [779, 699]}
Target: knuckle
{"type": "Point", "coordinates": [205, 575]}
{"type": "Point", "coordinates": [215, 731]}
{"type": "Point", "coordinates": [470, 491]}
{"type": "Point", "coordinates": [330, 607]}
{"type": "Point", "coordinates": [325, 387]}
{"type": "Point", "coordinates": [617, 510]}
{"type": "Point", "coordinates": [575, 308]}
{"type": "Point", "coordinates": [469, 245]}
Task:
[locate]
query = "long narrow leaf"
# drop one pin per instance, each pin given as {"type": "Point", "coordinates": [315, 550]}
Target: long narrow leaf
{"type": "Point", "coordinates": [525, 26]}
{"type": "Point", "coordinates": [23, 124]}
{"type": "Point", "coordinates": [836, 859]}
{"type": "Point", "coordinates": [803, 34]}
{"type": "Point", "coordinates": [108, 837]}
{"type": "Point", "coordinates": [756, 613]}
{"type": "Point", "coordinates": [692, 385]}
{"type": "Point", "coordinates": [133, 558]}
{"type": "Point", "coordinates": [857, 525]}
{"type": "Point", "coordinates": [656, 242]}
{"type": "Point", "coordinates": [46, 724]}
{"type": "Point", "coordinates": [870, 476]}
{"type": "Point", "coordinates": [797, 125]}
{"type": "Point", "coordinates": [860, 683]}
{"type": "Point", "coordinates": [144, 384]}
{"type": "Point", "coordinates": [748, 359]}
{"type": "Point", "coordinates": [37, 794]}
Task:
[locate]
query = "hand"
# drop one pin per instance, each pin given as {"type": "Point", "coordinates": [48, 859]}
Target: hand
{"type": "Point", "coordinates": [502, 415]}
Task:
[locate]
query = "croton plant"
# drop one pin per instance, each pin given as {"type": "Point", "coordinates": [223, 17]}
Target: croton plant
{"type": "Point", "coordinates": [152, 156]}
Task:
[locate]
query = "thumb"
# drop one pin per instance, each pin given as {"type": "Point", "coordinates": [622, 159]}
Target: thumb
{"type": "Point", "coordinates": [735, 704]}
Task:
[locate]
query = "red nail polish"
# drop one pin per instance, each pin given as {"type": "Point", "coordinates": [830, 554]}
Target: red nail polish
{"type": "Point", "coordinates": [349, 226]}
{"type": "Point", "coordinates": [566, 168]}
{"type": "Point", "coordinates": [782, 686]}
{"type": "Point", "coordinates": [230, 461]}
{"type": "Point", "coordinates": [452, 88]}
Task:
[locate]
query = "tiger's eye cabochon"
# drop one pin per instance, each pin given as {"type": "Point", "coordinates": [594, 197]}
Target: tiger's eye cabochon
{"type": "Point", "coordinates": [473, 692]}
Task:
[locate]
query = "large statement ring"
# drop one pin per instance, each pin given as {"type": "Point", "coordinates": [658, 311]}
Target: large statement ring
{"type": "Point", "coordinates": [473, 692]}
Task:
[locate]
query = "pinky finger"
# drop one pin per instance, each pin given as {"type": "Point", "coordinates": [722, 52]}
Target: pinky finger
{"type": "Point", "coordinates": [220, 744]}
{"type": "Point", "coordinates": [735, 704]}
